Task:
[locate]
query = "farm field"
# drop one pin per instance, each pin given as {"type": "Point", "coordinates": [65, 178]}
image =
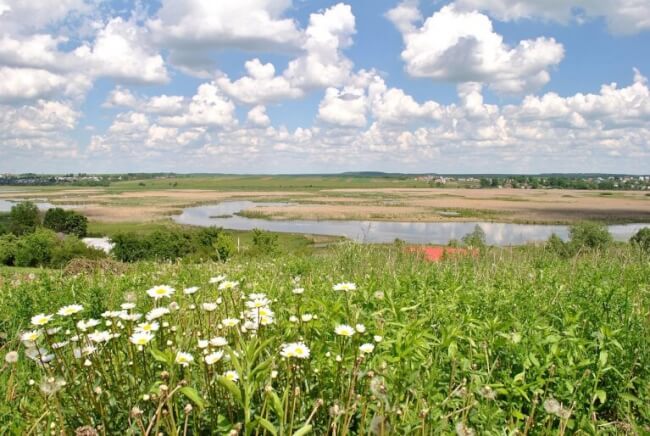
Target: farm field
{"type": "Point", "coordinates": [359, 339]}
{"type": "Point", "coordinates": [344, 198]}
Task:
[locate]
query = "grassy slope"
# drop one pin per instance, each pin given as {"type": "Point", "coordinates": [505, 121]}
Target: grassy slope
{"type": "Point", "coordinates": [529, 325]}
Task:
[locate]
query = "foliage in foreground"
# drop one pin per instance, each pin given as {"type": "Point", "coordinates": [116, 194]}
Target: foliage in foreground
{"type": "Point", "coordinates": [514, 340]}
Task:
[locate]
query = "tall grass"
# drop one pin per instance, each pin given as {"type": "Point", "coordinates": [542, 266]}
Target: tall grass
{"type": "Point", "coordinates": [515, 340]}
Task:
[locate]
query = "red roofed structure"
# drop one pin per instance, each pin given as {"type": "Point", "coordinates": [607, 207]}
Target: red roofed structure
{"type": "Point", "coordinates": [437, 253]}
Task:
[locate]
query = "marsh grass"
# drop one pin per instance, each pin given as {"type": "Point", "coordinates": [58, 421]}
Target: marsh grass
{"type": "Point", "coordinates": [515, 340]}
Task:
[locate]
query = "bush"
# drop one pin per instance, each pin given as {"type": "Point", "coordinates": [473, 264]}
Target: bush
{"type": "Point", "coordinates": [642, 239]}
{"type": "Point", "coordinates": [8, 249]}
{"type": "Point", "coordinates": [35, 249]}
{"type": "Point", "coordinates": [66, 221]}
{"type": "Point", "coordinates": [24, 218]}
{"type": "Point", "coordinates": [173, 244]}
{"type": "Point", "coordinates": [476, 238]}
{"type": "Point", "coordinates": [589, 234]}
{"type": "Point", "coordinates": [556, 245]}
{"type": "Point", "coordinates": [70, 248]}
{"type": "Point", "coordinates": [264, 242]}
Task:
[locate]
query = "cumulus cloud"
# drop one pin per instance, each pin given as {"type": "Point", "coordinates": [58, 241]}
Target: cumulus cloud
{"type": "Point", "coordinates": [209, 107]}
{"type": "Point", "coordinates": [622, 16]}
{"type": "Point", "coordinates": [159, 104]}
{"type": "Point", "coordinates": [258, 117]}
{"type": "Point", "coordinates": [461, 46]}
{"type": "Point", "coordinates": [261, 85]}
{"type": "Point", "coordinates": [192, 29]}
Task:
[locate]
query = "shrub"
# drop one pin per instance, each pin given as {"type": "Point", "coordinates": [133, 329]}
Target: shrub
{"type": "Point", "coordinates": [35, 249]}
{"type": "Point", "coordinates": [589, 234]}
{"type": "Point", "coordinates": [476, 238]}
{"type": "Point", "coordinates": [173, 244]}
{"type": "Point", "coordinates": [556, 245]}
{"type": "Point", "coordinates": [24, 218]}
{"type": "Point", "coordinates": [70, 248]}
{"type": "Point", "coordinates": [264, 242]}
{"type": "Point", "coordinates": [66, 221]}
{"type": "Point", "coordinates": [642, 239]}
{"type": "Point", "coordinates": [7, 249]}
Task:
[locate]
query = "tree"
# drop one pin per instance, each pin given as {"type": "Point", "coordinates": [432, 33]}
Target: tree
{"type": "Point", "coordinates": [66, 221]}
{"type": "Point", "coordinates": [24, 218]}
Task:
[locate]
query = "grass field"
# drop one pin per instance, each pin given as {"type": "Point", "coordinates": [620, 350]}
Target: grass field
{"type": "Point", "coordinates": [517, 340]}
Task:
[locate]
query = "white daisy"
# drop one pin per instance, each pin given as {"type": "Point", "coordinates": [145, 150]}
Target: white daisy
{"type": "Point", "coordinates": [160, 291]}
{"type": "Point", "coordinates": [184, 359]}
{"type": "Point", "coordinates": [344, 330]}
{"type": "Point", "coordinates": [41, 319]}
{"type": "Point", "coordinates": [345, 287]}
{"type": "Point", "coordinates": [213, 357]}
{"type": "Point", "coordinates": [70, 310]}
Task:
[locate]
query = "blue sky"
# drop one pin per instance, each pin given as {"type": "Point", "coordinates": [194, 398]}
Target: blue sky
{"type": "Point", "coordinates": [261, 86]}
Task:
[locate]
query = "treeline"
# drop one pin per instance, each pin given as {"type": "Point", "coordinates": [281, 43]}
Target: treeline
{"type": "Point", "coordinates": [566, 182]}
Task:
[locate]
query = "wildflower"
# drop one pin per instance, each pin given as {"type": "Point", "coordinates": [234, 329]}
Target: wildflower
{"type": "Point", "coordinates": [58, 345]}
{"type": "Point", "coordinates": [160, 291]}
{"type": "Point", "coordinates": [131, 316]}
{"type": "Point", "coordinates": [31, 336]}
{"type": "Point", "coordinates": [127, 306]}
{"type": "Point", "coordinates": [367, 348]}
{"type": "Point", "coordinates": [463, 430]}
{"type": "Point", "coordinates": [233, 376]}
{"type": "Point", "coordinates": [345, 287]}
{"type": "Point", "coordinates": [11, 357]}
{"type": "Point", "coordinates": [51, 385]}
{"type": "Point", "coordinates": [101, 336]}
{"type": "Point", "coordinates": [298, 291]}
{"type": "Point", "coordinates": [85, 325]}
{"type": "Point", "coordinates": [39, 354]}
{"type": "Point", "coordinates": [258, 303]}
{"type": "Point", "coordinates": [230, 322]}
{"type": "Point", "coordinates": [295, 349]}
{"type": "Point", "coordinates": [203, 343]}
{"type": "Point", "coordinates": [209, 307]}
{"type": "Point", "coordinates": [488, 393]}
{"type": "Point", "coordinates": [552, 406]}
{"type": "Point", "coordinates": [156, 313]}
{"type": "Point", "coordinates": [213, 357]}
{"type": "Point", "coordinates": [378, 338]}
{"type": "Point", "coordinates": [217, 279]}
{"type": "Point", "coordinates": [141, 338]}
{"type": "Point", "coordinates": [218, 341]}
{"type": "Point", "coordinates": [307, 317]}
{"type": "Point", "coordinates": [41, 319]}
{"type": "Point", "coordinates": [152, 326]}
{"type": "Point", "coordinates": [256, 296]}
{"type": "Point", "coordinates": [360, 328]}
{"type": "Point", "coordinates": [53, 331]}
{"type": "Point", "coordinates": [174, 306]}
{"type": "Point", "coordinates": [70, 310]}
{"type": "Point", "coordinates": [293, 318]}
{"type": "Point", "coordinates": [184, 359]}
{"type": "Point", "coordinates": [344, 330]}
{"type": "Point", "coordinates": [113, 313]}
{"type": "Point", "coordinates": [227, 285]}
{"type": "Point", "coordinates": [191, 290]}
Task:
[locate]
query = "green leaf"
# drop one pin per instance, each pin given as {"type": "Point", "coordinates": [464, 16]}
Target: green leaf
{"type": "Point", "coordinates": [602, 358]}
{"type": "Point", "coordinates": [303, 431]}
{"type": "Point", "coordinates": [159, 356]}
{"type": "Point", "coordinates": [267, 425]}
{"type": "Point", "coordinates": [277, 404]}
{"type": "Point", "coordinates": [193, 395]}
{"type": "Point", "coordinates": [601, 395]}
{"type": "Point", "coordinates": [232, 388]}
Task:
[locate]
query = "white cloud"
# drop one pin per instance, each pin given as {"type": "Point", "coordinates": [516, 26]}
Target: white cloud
{"type": "Point", "coordinates": [622, 16]}
{"type": "Point", "coordinates": [20, 15]}
{"type": "Point", "coordinates": [258, 117]}
{"type": "Point", "coordinates": [209, 107]}
{"type": "Point", "coordinates": [345, 108]}
{"type": "Point", "coordinates": [323, 63]}
{"type": "Point", "coordinates": [261, 85]}
{"type": "Point", "coordinates": [460, 46]}
{"type": "Point", "coordinates": [120, 51]}
{"type": "Point", "coordinates": [28, 83]}
{"type": "Point", "coordinates": [192, 29]}
{"type": "Point", "coordinates": [159, 104]}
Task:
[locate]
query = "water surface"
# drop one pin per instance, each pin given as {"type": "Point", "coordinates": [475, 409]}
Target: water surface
{"type": "Point", "coordinates": [222, 215]}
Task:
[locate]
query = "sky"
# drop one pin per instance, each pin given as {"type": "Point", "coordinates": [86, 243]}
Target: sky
{"type": "Point", "coordinates": [314, 86]}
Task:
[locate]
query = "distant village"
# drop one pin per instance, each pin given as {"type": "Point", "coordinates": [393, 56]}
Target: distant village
{"type": "Point", "coordinates": [609, 182]}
